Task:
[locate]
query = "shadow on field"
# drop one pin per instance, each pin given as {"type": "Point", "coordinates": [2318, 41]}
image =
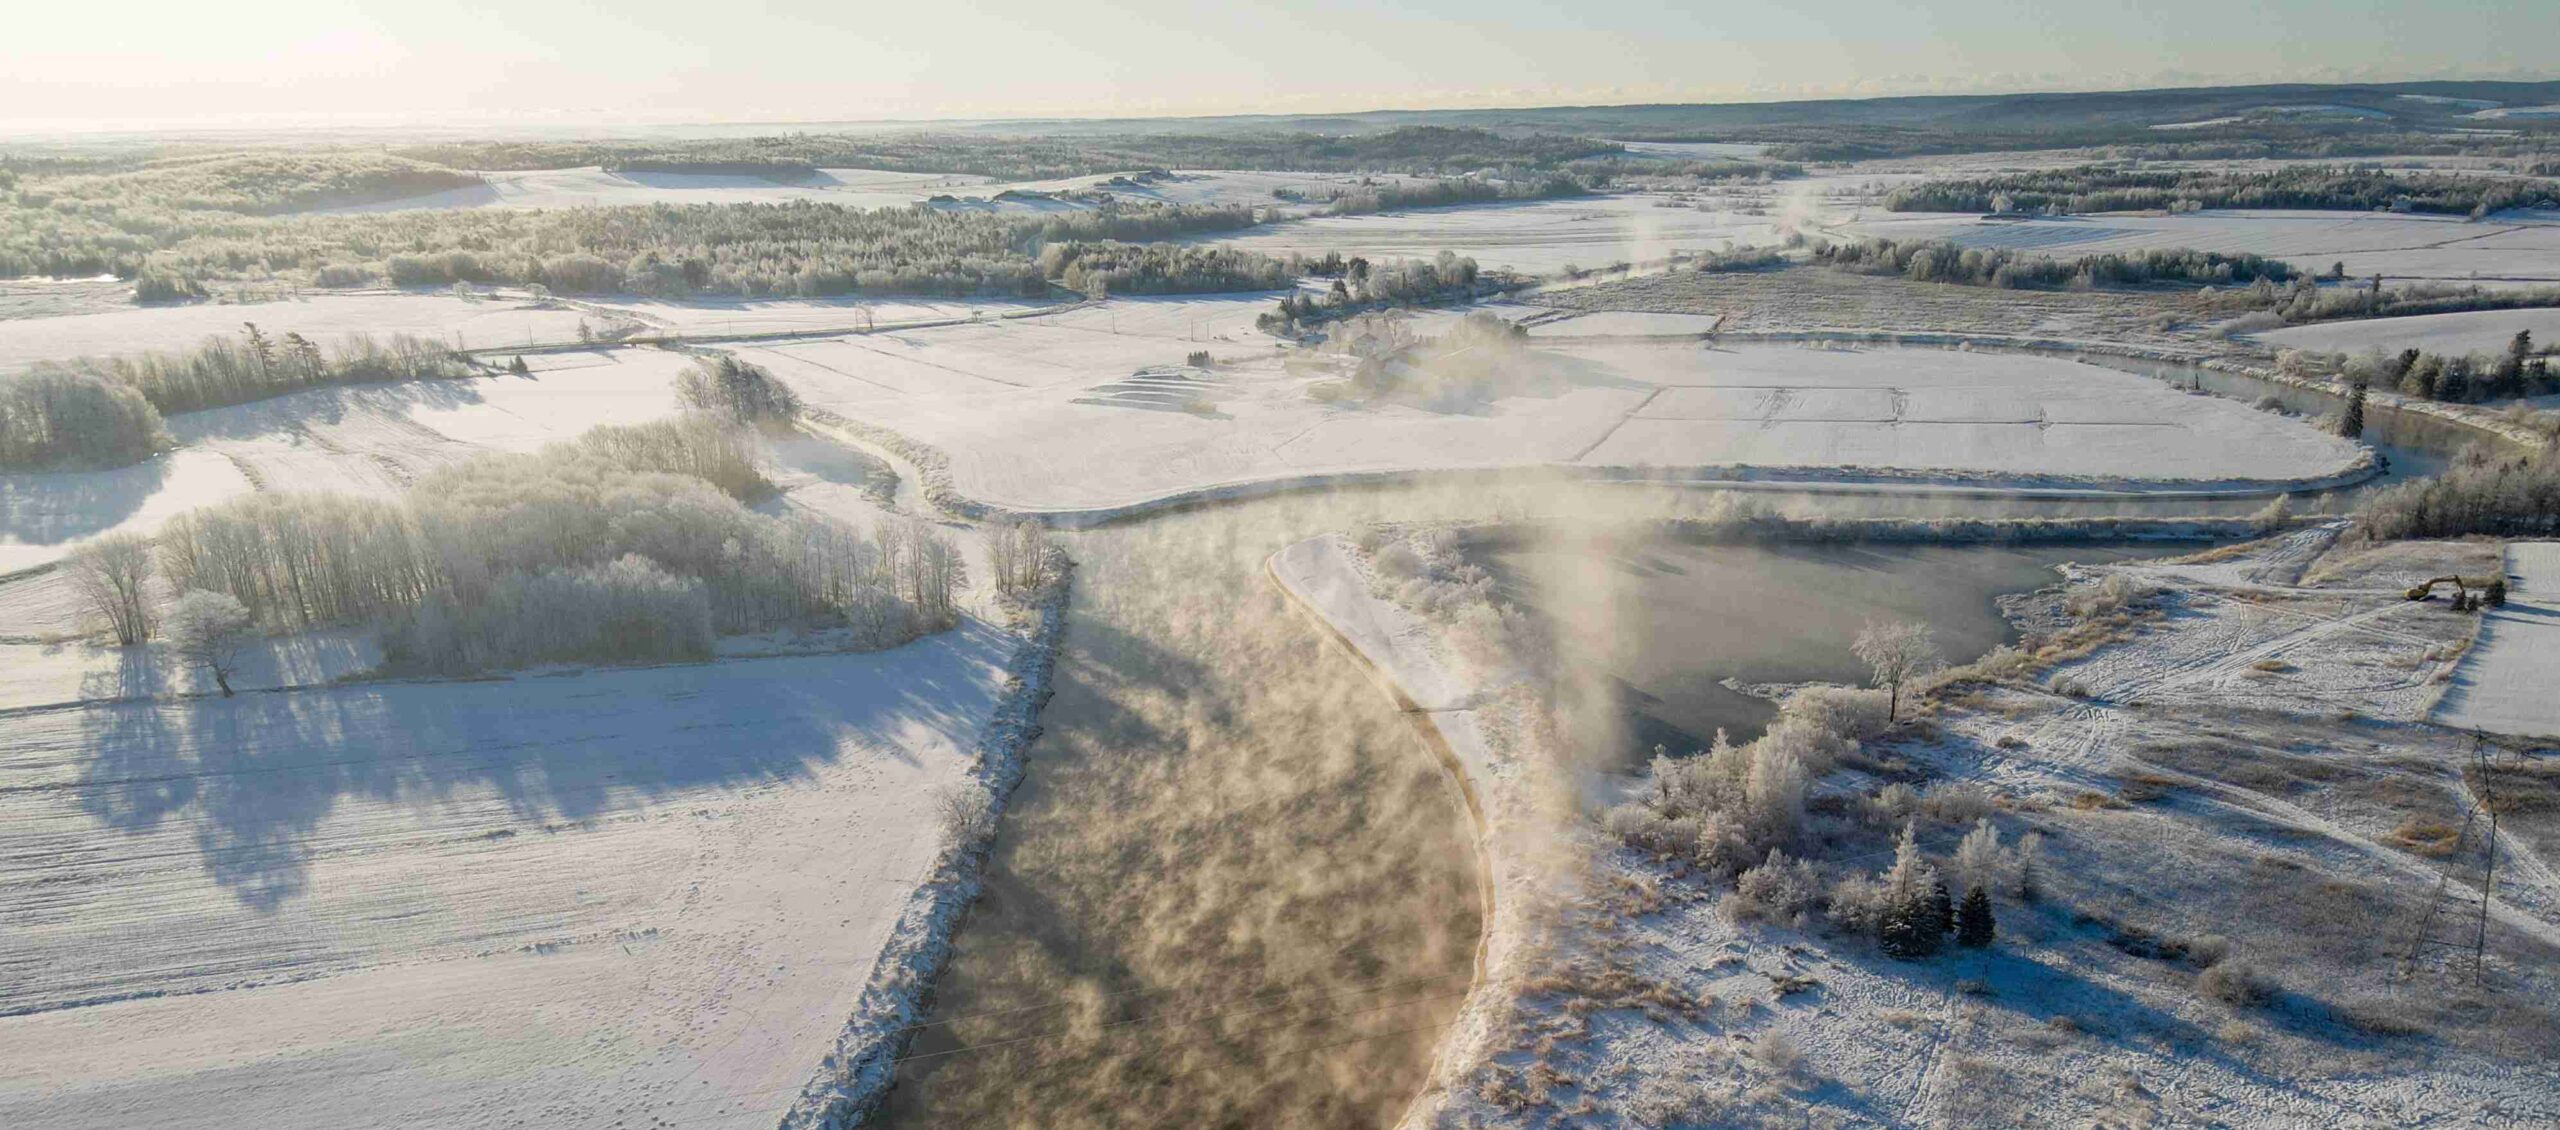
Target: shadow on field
{"type": "Point", "coordinates": [252, 779]}
{"type": "Point", "coordinates": [53, 507]}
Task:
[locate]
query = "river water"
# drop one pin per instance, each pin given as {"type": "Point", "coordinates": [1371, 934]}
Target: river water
{"type": "Point", "coordinates": [1237, 889]}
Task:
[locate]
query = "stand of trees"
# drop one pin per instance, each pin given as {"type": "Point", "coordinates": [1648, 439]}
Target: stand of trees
{"type": "Point", "coordinates": [2515, 371]}
{"type": "Point", "coordinates": [2515, 496]}
{"type": "Point", "coordinates": [591, 551]}
{"type": "Point", "coordinates": [256, 365]}
{"type": "Point", "coordinates": [1363, 286]}
{"type": "Point", "coordinates": [1941, 260]}
{"type": "Point", "coordinates": [2097, 188]}
{"type": "Point", "coordinates": [1442, 193]}
{"type": "Point", "coordinates": [57, 419]}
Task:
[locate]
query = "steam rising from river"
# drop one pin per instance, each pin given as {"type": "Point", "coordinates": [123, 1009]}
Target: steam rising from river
{"type": "Point", "coordinates": [1238, 888]}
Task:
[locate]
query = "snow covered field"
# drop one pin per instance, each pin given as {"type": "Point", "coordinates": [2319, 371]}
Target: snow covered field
{"type": "Point", "coordinates": [1539, 237]}
{"type": "Point", "coordinates": [2511, 248]}
{"type": "Point", "coordinates": [2510, 683]}
{"type": "Point", "coordinates": [599, 899]}
{"type": "Point", "coordinates": [359, 438]}
{"type": "Point", "coordinates": [1003, 402]}
{"type": "Point", "coordinates": [2476, 331]}
{"type": "Point", "coordinates": [324, 318]}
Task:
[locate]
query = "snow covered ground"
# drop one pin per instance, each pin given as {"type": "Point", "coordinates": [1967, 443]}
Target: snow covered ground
{"type": "Point", "coordinates": [324, 318]}
{"type": "Point", "coordinates": [590, 899]}
{"type": "Point", "coordinates": [2510, 683]}
{"type": "Point", "coordinates": [1540, 237]}
{"type": "Point", "coordinates": [2510, 248]}
{"type": "Point", "coordinates": [2276, 835]}
{"type": "Point", "coordinates": [2475, 331]}
{"type": "Point", "coordinates": [1011, 405]}
{"type": "Point", "coordinates": [359, 438]}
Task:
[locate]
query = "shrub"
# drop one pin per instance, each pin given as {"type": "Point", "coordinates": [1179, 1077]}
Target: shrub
{"type": "Point", "coordinates": [625, 611]}
{"type": "Point", "coordinates": [2235, 982]}
{"type": "Point", "coordinates": [1778, 890]}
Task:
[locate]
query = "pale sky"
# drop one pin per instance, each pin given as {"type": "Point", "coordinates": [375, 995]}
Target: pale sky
{"type": "Point", "coordinates": [105, 64]}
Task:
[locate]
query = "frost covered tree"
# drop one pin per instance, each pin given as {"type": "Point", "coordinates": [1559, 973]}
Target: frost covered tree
{"type": "Point", "coordinates": [1980, 862]}
{"type": "Point", "coordinates": [209, 631]}
{"type": "Point", "coordinates": [1910, 925]}
{"type": "Point", "coordinates": [113, 574]}
{"type": "Point", "coordinates": [741, 391]}
{"type": "Point", "coordinates": [2351, 425]}
{"type": "Point", "coordinates": [1897, 653]}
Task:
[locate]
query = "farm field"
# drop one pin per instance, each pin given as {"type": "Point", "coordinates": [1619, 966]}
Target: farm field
{"type": "Point", "coordinates": [595, 899]}
{"type": "Point", "coordinates": [2475, 331]}
{"type": "Point", "coordinates": [1032, 414]}
{"type": "Point", "coordinates": [324, 318]}
{"type": "Point", "coordinates": [1540, 237]}
{"type": "Point", "coordinates": [371, 439]}
{"type": "Point", "coordinates": [2520, 248]}
{"type": "Point", "coordinates": [2506, 684]}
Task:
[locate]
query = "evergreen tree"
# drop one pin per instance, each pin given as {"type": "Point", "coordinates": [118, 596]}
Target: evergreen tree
{"type": "Point", "coordinates": [2352, 425]}
{"type": "Point", "coordinates": [1942, 905]}
{"type": "Point", "coordinates": [1974, 927]}
{"type": "Point", "coordinates": [2454, 385]}
{"type": "Point", "coordinates": [519, 368]}
{"type": "Point", "coordinates": [1911, 927]}
{"type": "Point", "coordinates": [2494, 594]}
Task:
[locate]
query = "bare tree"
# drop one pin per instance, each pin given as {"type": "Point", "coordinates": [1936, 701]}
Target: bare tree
{"type": "Point", "coordinates": [1018, 555]}
{"type": "Point", "coordinates": [1897, 653]}
{"type": "Point", "coordinates": [210, 631]}
{"type": "Point", "coordinates": [113, 574]}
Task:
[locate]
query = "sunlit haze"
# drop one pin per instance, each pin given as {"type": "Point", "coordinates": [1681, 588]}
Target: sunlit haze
{"type": "Point", "coordinates": [160, 63]}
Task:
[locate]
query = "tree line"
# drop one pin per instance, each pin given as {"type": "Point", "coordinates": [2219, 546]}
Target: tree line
{"type": "Point", "coordinates": [2100, 188]}
{"type": "Point", "coordinates": [108, 412]}
{"type": "Point", "coordinates": [1945, 261]}
{"type": "Point", "coordinates": [590, 551]}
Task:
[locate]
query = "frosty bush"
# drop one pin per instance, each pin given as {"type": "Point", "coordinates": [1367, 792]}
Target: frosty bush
{"type": "Point", "coordinates": [2113, 593]}
{"type": "Point", "coordinates": [2235, 982]}
{"type": "Point", "coordinates": [964, 811]}
{"type": "Point", "coordinates": [696, 444]}
{"type": "Point", "coordinates": [1778, 890]}
{"type": "Point", "coordinates": [55, 418]}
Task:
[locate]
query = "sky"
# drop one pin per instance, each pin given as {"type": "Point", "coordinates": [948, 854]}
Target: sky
{"type": "Point", "coordinates": [128, 64]}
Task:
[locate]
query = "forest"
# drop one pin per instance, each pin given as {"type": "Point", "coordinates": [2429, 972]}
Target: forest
{"type": "Point", "coordinates": [1424, 150]}
{"type": "Point", "coordinates": [2096, 188]}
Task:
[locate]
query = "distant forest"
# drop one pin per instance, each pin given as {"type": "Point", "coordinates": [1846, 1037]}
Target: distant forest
{"type": "Point", "coordinates": [1423, 150]}
{"type": "Point", "coordinates": [176, 224]}
{"type": "Point", "coordinates": [2095, 188]}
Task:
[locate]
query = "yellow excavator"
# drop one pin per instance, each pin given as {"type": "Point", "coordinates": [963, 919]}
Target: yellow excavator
{"type": "Point", "coordinates": [2491, 595]}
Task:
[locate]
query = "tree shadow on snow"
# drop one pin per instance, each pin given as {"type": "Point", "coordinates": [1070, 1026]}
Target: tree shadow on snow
{"type": "Point", "coordinates": [50, 508]}
{"type": "Point", "coordinates": [254, 778]}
